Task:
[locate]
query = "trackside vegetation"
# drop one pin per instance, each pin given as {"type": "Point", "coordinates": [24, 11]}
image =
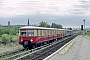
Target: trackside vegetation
{"type": "Point", "coordinates": [87, 33]}
{"type": "Point", "coordinates": [8, 35]}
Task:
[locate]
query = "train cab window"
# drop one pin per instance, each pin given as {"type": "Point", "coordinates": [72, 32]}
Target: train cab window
{"type": "Point", "coordinates": [23, 33]}
{"type": "Point", "coordinates": [30, 32]}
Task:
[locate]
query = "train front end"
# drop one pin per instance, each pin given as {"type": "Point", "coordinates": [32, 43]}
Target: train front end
{"type": "Point", "coordinates": [26, 37]}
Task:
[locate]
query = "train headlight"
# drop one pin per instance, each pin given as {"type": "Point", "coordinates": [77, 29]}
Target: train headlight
{"type": "Point", "coordinates": [21, 40]}
{"type": "Point", "coordinates": [31, 40]}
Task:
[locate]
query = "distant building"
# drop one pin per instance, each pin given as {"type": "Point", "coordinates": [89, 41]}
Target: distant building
{"type": "Point", "coordinates": [12, 26]}
{"type": "Point", "coordinates": [9, 24]}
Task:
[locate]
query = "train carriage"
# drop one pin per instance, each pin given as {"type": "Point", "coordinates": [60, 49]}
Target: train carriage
{"type": "Point", "coordinates": [69, 32]}
{"type": "Point", "coordinates": [30, 35]}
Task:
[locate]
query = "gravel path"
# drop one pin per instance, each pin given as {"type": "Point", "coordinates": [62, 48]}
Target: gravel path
{"type": "Point", "coordinates": [79, 51]}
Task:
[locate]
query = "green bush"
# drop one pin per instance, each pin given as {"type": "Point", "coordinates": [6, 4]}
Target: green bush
{"type": "Point", "coordinates": [14, 38]}
{"type": "Point", "coordinates": [5, 38]}
{"type": "Point", "coordinates": [8, 35]}
{"type": "Point", "coordinates": [87, 33]}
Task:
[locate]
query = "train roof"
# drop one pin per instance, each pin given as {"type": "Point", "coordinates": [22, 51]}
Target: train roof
{"type": "Point", "coordinates": [69, 30]}
{"type": "Point", "coordinates": [32, 27]}
{"type": "Point", "coordinates": [61, 29]}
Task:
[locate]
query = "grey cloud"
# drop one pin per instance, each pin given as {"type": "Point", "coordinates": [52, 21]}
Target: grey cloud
{"type": "Point", "coordinates": [78, 12]}
{"type": "Point", "coordinates": [82, 7]}
{"type": "Point", "coordinates": [83, 1]}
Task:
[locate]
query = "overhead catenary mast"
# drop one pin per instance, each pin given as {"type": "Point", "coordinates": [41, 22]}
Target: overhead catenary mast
{"type": "Point", "coordinates": [28, 22]}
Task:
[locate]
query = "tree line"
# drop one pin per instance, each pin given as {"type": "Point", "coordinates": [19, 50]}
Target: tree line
{"type": "Point", "coordinates": [45, 24]}
{"type": "Point", "coordinates": [53, 25]}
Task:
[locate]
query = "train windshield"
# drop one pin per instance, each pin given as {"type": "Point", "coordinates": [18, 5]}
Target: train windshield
{"type": "Point", "coordinates": [30, 32]}
{"type": "Point", "coordinates": [26, 32]}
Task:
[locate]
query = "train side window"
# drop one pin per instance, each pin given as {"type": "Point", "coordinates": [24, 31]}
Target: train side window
{"type": "Point", "coordinates": [54, 31]}
{"type": "Point", "coordinates": [47, 32]}
{"type": "Point", "coordinates": [30, 32]}
{"type": "Point", "coordinates": [63, 31]}
{"type": "Point", "coordinates": [59, 32]}
{"type": "Point", "coordinates": [50, 32]}
{"type": "Point", "coordinates": [40, 32]}
{"type": "Point", "coordinates": [44, 32]}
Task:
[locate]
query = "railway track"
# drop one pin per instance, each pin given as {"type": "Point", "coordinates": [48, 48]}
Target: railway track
{"type": "Point", "coordinates": [37, 53]}
{"type": "Point", "coordinates": [47, 51]}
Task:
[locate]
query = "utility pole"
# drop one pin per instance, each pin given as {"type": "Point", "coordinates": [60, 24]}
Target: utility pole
{"type": "Point", "coordinates": [84, 26]}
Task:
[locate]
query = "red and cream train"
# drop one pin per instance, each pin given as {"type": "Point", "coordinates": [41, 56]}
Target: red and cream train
{"type": "Point", "coordinates": [32, 36]}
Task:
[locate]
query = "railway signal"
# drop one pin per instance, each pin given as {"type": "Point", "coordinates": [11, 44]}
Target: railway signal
{"type": "Point", "coordinates": [81, 27]}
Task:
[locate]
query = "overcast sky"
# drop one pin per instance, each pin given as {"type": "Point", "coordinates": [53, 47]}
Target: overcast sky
{"type": "Point", "coordinates": [68, 13]}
